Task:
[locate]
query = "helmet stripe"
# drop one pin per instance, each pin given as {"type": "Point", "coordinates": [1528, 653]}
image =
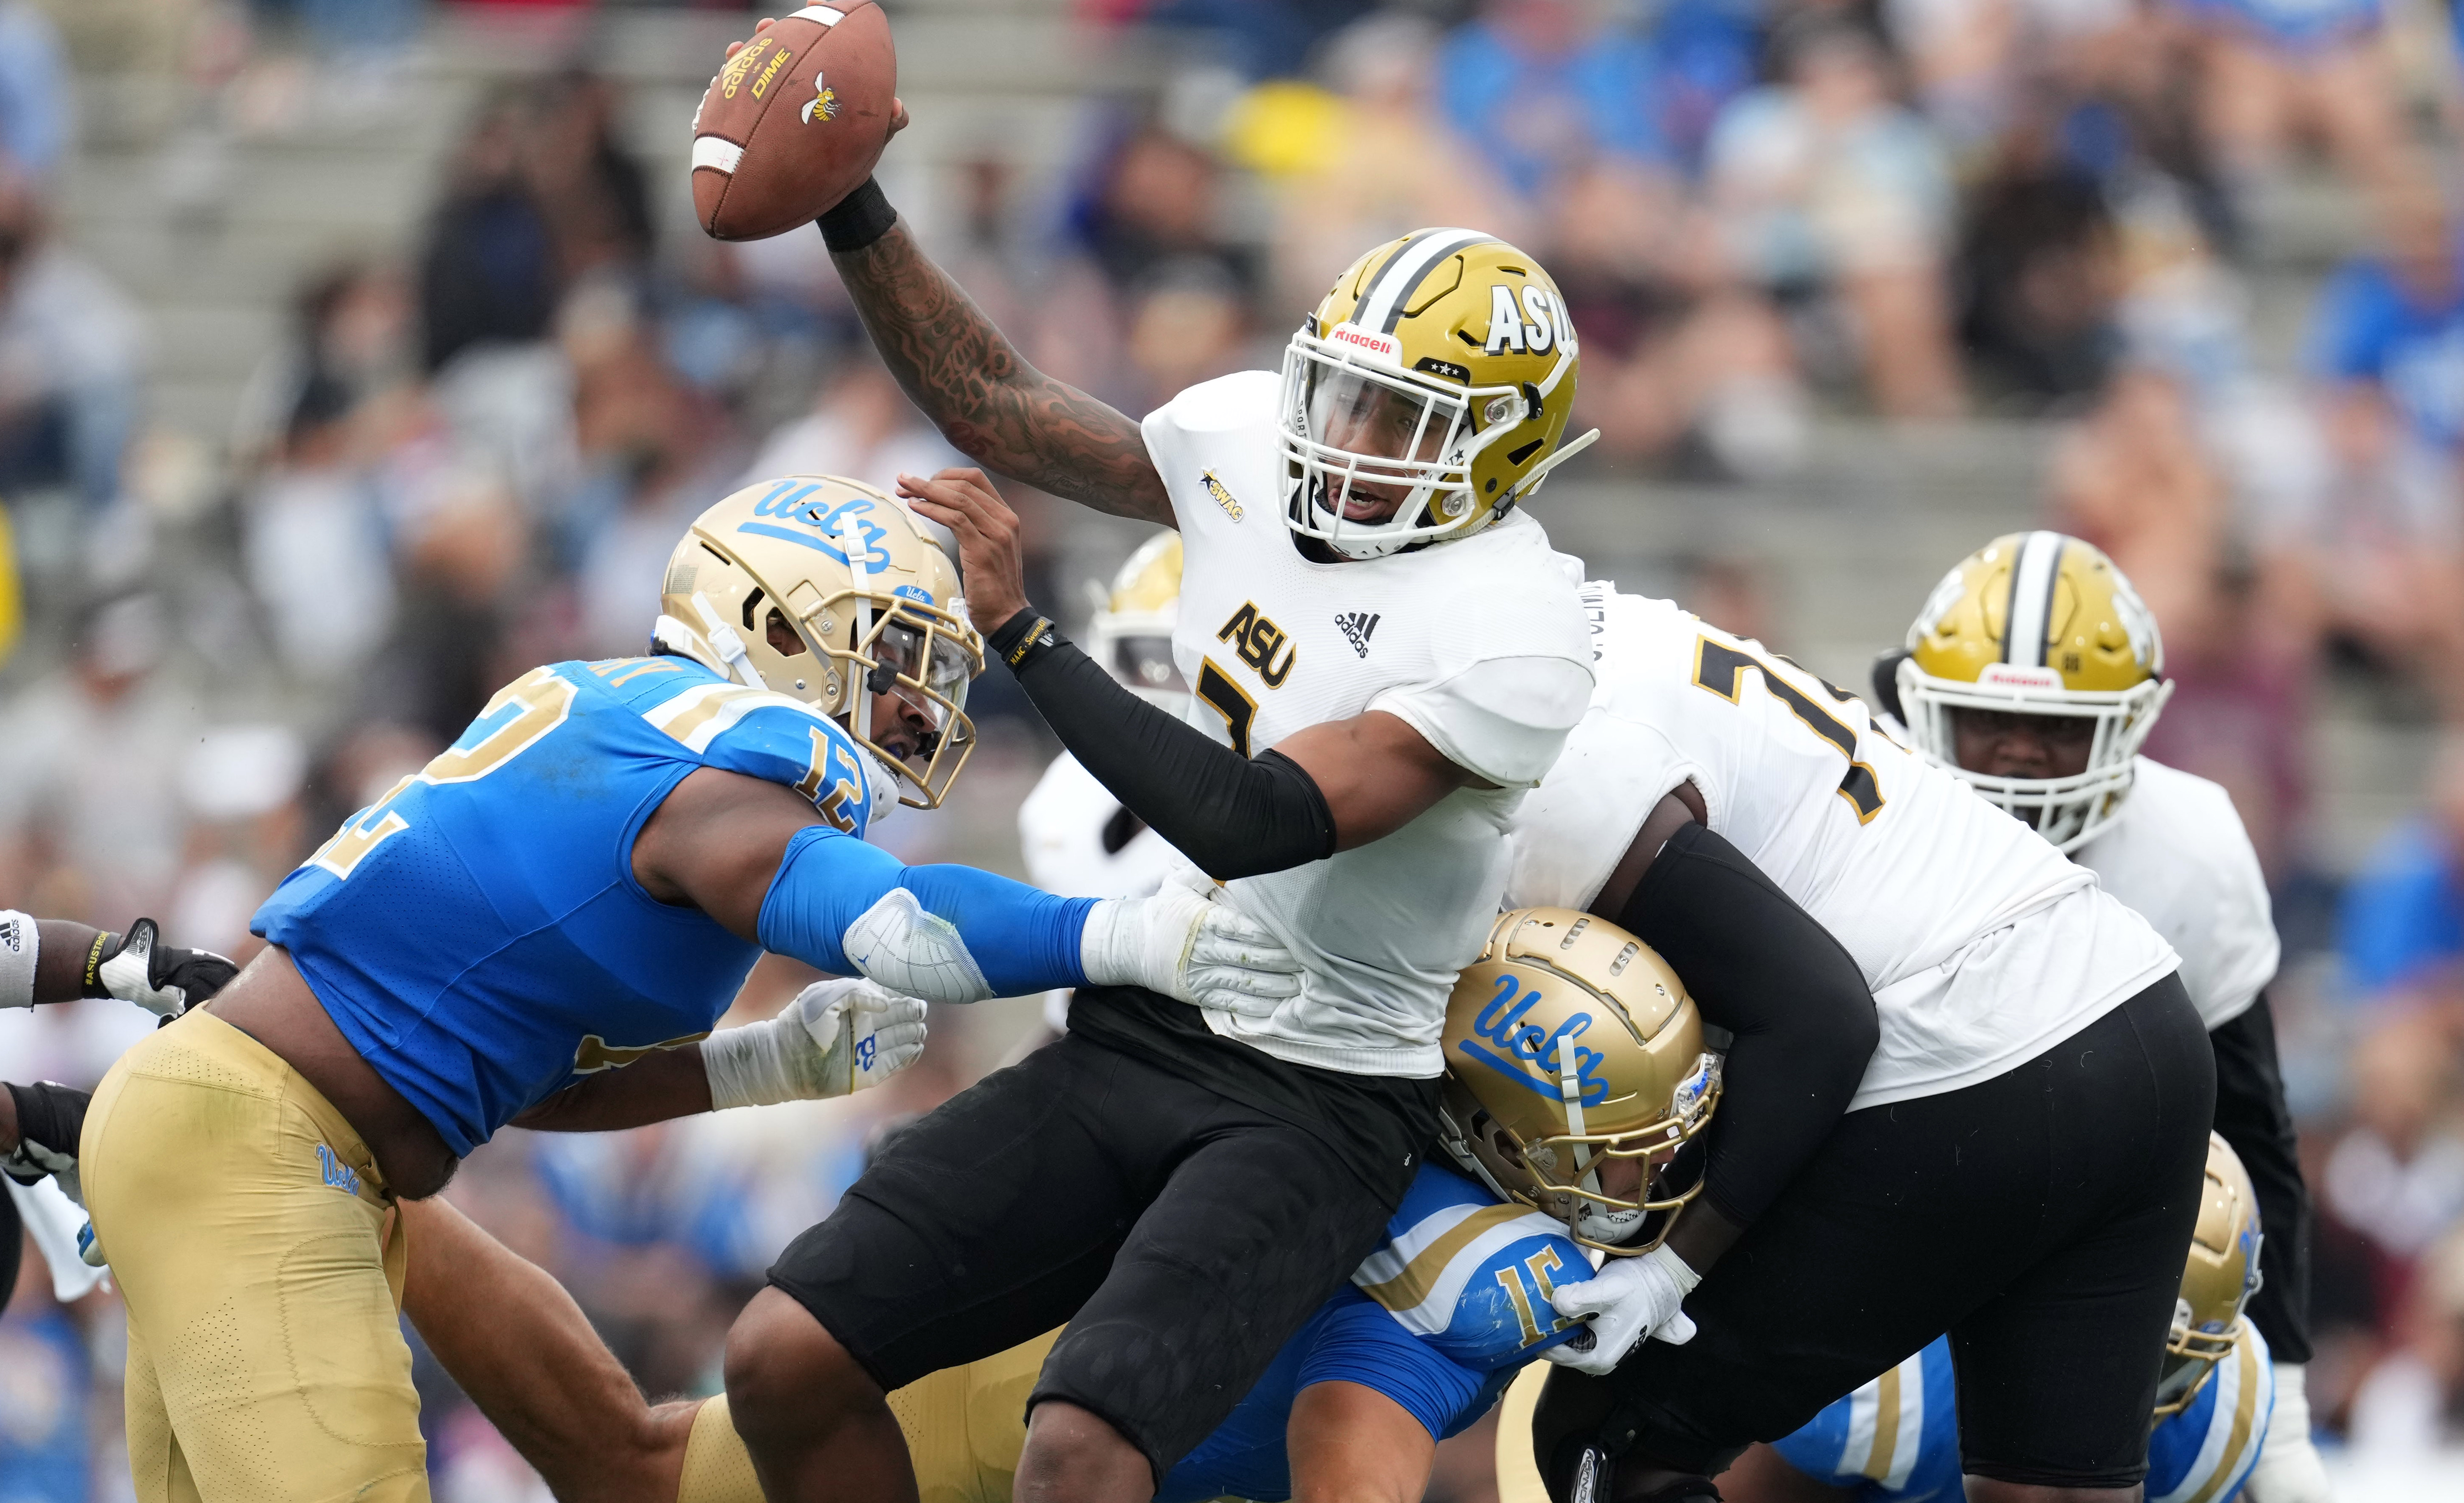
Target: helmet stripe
{"type": "Point", "coordinates": [2029, 620]}
{"type": "Point", "coordinates": [1390, 292]}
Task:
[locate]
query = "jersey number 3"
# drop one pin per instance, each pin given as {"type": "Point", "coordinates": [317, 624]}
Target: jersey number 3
{"type": "Point", "coordinates": [1720, 668]}
{"type": "Point", "coordinates": [521, 712]}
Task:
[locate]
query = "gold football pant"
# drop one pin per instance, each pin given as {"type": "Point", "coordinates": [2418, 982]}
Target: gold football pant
{"type": "Point", "coordinates": [964, 1427]}
{"type": "Point", "coordinates": [262, 1262]}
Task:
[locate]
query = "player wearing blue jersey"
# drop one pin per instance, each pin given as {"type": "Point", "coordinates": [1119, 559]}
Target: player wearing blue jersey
{"type": "Point", "coordinates": [542, 926]}
{"type": "Point", "coordinates": [1896, 1439]}
{"type": "Point", "coordinates": [1455, 1296]}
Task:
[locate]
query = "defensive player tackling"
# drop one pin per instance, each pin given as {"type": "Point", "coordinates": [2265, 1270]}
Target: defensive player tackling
{"type": "Point", "coordinates": [542, 926]}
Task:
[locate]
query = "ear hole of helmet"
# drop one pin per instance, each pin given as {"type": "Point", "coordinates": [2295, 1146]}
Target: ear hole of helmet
{"type": "Point", "coordinates": [784, 640]}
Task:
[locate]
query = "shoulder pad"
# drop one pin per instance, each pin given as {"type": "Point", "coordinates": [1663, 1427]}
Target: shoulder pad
{"type": "Point", "coordinates": [1470, 1276]}
{"type": "Point", "coordinates": [773, 738]}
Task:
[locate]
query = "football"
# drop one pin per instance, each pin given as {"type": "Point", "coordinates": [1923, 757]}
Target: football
{"type": "Point", "coordinates": [794, 121]}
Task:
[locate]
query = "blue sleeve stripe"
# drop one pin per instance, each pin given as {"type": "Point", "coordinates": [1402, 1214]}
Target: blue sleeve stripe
{"type": "Point", "coordinates": [1024, 939]}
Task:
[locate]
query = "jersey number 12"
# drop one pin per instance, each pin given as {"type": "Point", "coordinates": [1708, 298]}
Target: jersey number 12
{"type": "Point", "coordinates": [521, 712]}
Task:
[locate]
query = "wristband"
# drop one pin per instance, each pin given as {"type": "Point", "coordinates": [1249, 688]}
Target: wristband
{"type": "Point", "coordinates": [747, 1066]}
{"type": "Point", "coordinates": [857, 220]}
{"type": "Point", "coordinates": [1023, 638]}
{"type": "Point", "coordinates": [21, 943]}
{"type": "Point", "coordinates": [106, 947]}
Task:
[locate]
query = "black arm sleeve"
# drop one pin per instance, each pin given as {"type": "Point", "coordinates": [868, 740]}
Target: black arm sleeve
{"type": "Point", "coordinates": [2252, 1115]}
{"type": "Point", "coordinates": [1234, 815]}
{"type": "Point", "coordinates": [1761, 967]}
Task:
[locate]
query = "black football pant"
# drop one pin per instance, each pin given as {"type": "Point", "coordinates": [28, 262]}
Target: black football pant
{"type": "Point", "coordinates": [2041, 1218]}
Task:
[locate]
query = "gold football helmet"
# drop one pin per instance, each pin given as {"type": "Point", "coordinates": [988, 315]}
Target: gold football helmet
{"type": "Point", "coordinates": [2037, 623]}
{"type": "Point", "coordinates": [824, 588]}
{"type": "Point", "coordinates": [1426, 395]}
{"type": "Point", "coordinates": [1573, 1055]}
{"type": "Point", "coordinates": [2221, 1276]}
{"type": "Point", "coordinates": [1131, 633]}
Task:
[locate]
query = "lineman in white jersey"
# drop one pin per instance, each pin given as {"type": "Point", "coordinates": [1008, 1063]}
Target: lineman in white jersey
{"type": "Point", "coordinates": [1386, 655]}
{"type": "Point", "coordinates": [2052, 733]}
{"type": "Point", "coordinates": [2019, 1159]}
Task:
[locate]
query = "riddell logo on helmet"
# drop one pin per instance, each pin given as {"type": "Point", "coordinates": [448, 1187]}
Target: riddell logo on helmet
{"type": "Point", "coordinates": [2015, 675]}
{"type": "Point", "coordinates": [1385, 346]}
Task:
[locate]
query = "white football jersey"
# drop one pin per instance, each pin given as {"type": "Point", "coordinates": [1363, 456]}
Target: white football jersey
{"type": "Point", "coordinates": [2178, 854]}
{"type": "Point", "coordinates": [1983, 945]}
{"type": "Point", "coordinates": [1480, 644]}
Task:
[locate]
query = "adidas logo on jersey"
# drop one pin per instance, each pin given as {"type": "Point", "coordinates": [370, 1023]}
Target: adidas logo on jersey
{"type": "Point", "coordinates": [1357, 626]}
{"type": "Point", "coordinates": [10, 937]}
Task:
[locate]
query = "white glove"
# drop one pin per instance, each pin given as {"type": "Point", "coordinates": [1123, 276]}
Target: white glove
{"type": "Point", "coordinates": [1182, 943]}
{"type": "Point", "coordinates": [836, 1038]}
{"type": "Point", "coordinates": [2289, 1469]}
{"type": "Point", "coordinates": [1627, 1302]}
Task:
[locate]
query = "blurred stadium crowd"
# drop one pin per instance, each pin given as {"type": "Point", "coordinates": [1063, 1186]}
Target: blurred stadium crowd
{"type": "Point", "coordinates": [1774, 219]}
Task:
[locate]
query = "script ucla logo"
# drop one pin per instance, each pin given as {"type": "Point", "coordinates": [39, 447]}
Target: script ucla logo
{"type": "Point", "coordinates": [789, 501]}
{"type": "Point", "coordinates": [1531, 1056]}
{"type": "Point", "coordinates": [337, 1175]}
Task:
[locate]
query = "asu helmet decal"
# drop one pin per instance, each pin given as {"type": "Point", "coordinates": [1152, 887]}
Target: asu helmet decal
{"type": "Point", "coordinates": [1426, 395]}
{"type": "Point", "coordinates": [1570, 1048]}
{"type": "Point", "coordinates": [824, 588]}
{"type": "Point", "coordinates": [2038, 623]}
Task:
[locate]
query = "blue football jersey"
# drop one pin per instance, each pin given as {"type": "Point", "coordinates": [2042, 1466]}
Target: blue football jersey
{"type": "Point", "coordinates": [2205, 1453]}
{"type": "Point", "coordinates": [1895, 1440]}
{"type": "Point", "coordinates": [477, 933]}
{"type": "Point", "coordinates": [1442, 1317]}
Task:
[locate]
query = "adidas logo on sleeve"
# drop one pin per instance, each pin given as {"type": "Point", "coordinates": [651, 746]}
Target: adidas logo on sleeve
{"type": "Point", "coordinates": [1357, 627]}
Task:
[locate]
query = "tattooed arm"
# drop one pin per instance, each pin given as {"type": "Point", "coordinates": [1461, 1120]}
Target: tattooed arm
{"type": "Point", "coordinates": [997, 409]}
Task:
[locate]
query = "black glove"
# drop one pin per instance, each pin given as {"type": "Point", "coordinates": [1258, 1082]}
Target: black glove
{"type": "Point", "coordinates": [163, 979]}
{"type": "Point", "coordinates": [51, 1117]}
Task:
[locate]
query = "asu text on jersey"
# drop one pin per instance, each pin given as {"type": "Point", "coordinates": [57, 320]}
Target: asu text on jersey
{"type": "Point", "coordinates": [1478, 646]}
{"type": "Point", "coordinates": [477, 933]}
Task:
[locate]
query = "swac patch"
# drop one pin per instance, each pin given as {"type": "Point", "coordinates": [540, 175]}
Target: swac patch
{"type": "Point", "coordinates": [1528, 1057]}
{"type": "Point", "coordinates": [820, 524]}
{"type": "Point", "coordinates": [1258, 639]}
{"type": "Point", "coordinates": [1222, 496]}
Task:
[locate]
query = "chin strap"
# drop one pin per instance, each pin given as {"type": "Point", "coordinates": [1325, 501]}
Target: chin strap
{"type": "Point", "coordinates": [727, 643]}
{"type": "Point", "coordinates": [1564, 452]}
{"type": "Point", "coordinates": [859, 685]}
